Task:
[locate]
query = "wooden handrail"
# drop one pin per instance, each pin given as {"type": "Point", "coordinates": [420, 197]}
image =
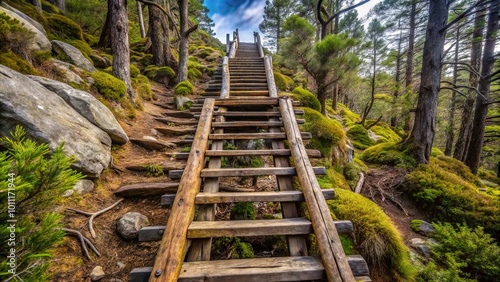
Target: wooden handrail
{"type": "Point", "coordinates": [174, 244]}
{"type": "Point", "coordinates": [271, 84]}
{"type": "Point", "coordinates": [225, 87]}
{"type": "Point", "coordinates": [256, 39]}
{"type": "Point", "coordinates": [333, 256]}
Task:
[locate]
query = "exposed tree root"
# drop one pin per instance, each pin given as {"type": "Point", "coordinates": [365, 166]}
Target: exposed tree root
{"type": "Point", "coordinates": [83, 242]}
{"type": "Point", "coordinates": [94, 215]}
{"type": "Point", "coordinates": [381, 186]}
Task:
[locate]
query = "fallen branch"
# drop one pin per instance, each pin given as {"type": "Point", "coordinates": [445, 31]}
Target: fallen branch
{"type": "Point", "coordinates": [83, 242]}
{"type": "Point", "coordinates": [94, 215]}
{"type": "Point", "coordinates": [360, 183]}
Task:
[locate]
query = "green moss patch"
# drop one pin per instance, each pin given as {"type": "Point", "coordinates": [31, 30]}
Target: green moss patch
{"type": "Point", "coordinates": [350, 117]}
{"type": "Point", "coordinates": [61, 27]}
{"type": "Point", "coordinates": [376, 237]}
{"type": "Point", "coordinates": [109, 86]}
{"type": "Point", "coordinates": [325, 132]}
{"type": "Point", "coordinates": [231, 247]}
{"type": "Point", "coordinates": [283, 82]}
{"type": "Point", "coordinates": [390, 153]}
{"type": "Point", "coordinates": [359, 137]}
{"type": "Point", "coordinates": [13, 61]}
{"type": "Point", "coordinates": [306, 98]}
{"type": "Point", "coordinates": [184, 88]}
{"type": "Point", "coordinates": [385, 131]}
{"type": "Point", "coordinates": [243, 211]}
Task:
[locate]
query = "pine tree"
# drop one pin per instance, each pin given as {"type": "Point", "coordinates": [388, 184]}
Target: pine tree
{"type": "Point", "coordinates": [275, 13]}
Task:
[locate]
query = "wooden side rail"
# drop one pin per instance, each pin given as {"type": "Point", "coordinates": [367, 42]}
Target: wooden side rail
{"type": "Point", "coordinates": [256, 39]}
{"type": "Point", "coordinates": [271, 84]}
{"type": "Point", "coordinates": [225, 85]}
{"type": "Point", "coordinates": [174, 244]}
{"type": "Point", "coordinates": [333, 256]}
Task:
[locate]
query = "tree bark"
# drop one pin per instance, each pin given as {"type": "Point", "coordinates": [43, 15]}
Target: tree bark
{"type": "Point", "coordinates": [120, 44]}
{"type": "Point", "coordinates": [410, 54]}
{"type": "Point", "coordinates": [394, 118]}
{"type": "Point", "coordinates": [61, 4]}
{"type": "Point", "coordinates": [424, 129]}
{"type": "Point", "coordinates": [105, 38]}
{"type": "Point", "coordinates": [450, 132]}
{"type": "Point", "coordinates": [183, 46]}
{"type": "Point", "coordinates": [159, 35]}
{"type": "Point", "coordinates": [463, 139]}
{"type": "Point", "coordinates": [488, 62]}
{"type": "Point", "coordinates": [368, 107]}
{"type": "Point", "coordinates": [141, 19]}
{"type": "Point", "coordinates": [38, 4]}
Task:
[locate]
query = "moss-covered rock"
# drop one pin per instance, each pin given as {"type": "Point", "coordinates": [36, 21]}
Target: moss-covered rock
{"type": "Point", "coordinates": [390, 153]}
{"type": "Point", "coordinates": [184, 88]}
{"type": "Point", "coordinates": [13, 61]}
{"type": "Point", "coordinates": [359, 137]}
{"type": "Point", "coordinates": [306, 98]}
{"type": "Point", "coordinates": [283, 82]}
{"type": "Point", "coordinates": [386, 133]}
{"type": "Point", "coordinates": [350, 117]}
{"type": "Point", "coordinates": [352, 171]}
{"type": "Point", "coordinates": [134, 71]}
{"type": "Point", "coordinates": [109, 86]}
{"type": "Point", "coordinates": [143, 87]}
{"type": "Point", "coordinates": [61, 27]}
{"type": "Point", "coordinates": [376, 237]}
{"type": "Point", "coordinates": [326, 133]}
{"type": "Point", "coordinates": [50, 8]}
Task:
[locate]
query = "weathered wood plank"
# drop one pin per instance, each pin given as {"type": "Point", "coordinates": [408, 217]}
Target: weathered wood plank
{"type": "Point", "coordinates": [254, 101]}
{"type": "Point", "coordinates": [177, 122]}
{"type": "Point", "coordinates": [179, 114]}
{"type": "Point", "coordinates": [251, 136]}
{"type": "Point", "coordinates": [146, 189]}
{"type": "Point", "coordinates": [256, 114]}
{"type": "Point", "coordinates": [332, 254]}
{"type": "Point", "coordinates": [271, 84]}
{"type": "Point", "coordinates": [240, 172]}
{"type": "Point", "coordinates": [233, 124]}
{"type": "Point", "coordinates": [176, 131]}
{"type": "Point", "coordinates": [276, 152]}
{"type": "Point", "coordinates": [304, 268]}
{"type": "Point", "coordinates": [235, 197]}
{"type": "Point", "coordinates": [173, 249]}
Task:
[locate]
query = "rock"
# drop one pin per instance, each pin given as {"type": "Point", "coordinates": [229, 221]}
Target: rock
{"type": "Point", "coordinates": [417, 241]}
{"type": "Point", "coordinates": [88, 106]}
{"type": "Point", "coordinates": [47, 118]}
{"type": "Point", "coordinates": [26, 17]}
{"type": "Point", "coordinates": [97, 273]}
{"type": "Point", "coordinates": [68, 193]}
{"type": "Point", "coordinates": [373, 136]}
{"type": "Point", "coordinates": [40, 42]}
{"type": "Point", "coordinates": [129, 224]}
{"type": "Point", "coordinates": [423, 227]}
{"type": "Point", "coordinates": [423, 250]}
{"type": "Point", "coordinates": [349, 151]}
{"type": "Point", "coordinates": [73, 55]}
{"type": "Point", "coordinates": [120, 265]}
{"type": "Point", "coordinates": [67, 71]}
{"type": "Point", "coordinates": [100, 61]}
{"type": "Point", "coordinates": [181, 101]}
{"type": "Point", "coordinates": [84, 186]}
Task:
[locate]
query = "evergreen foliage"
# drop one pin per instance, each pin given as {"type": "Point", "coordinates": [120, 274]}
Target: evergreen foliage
{"type": "Point", "coordinates": [40, 178]}
{"type": "Point", "coordinates": [14, 37]}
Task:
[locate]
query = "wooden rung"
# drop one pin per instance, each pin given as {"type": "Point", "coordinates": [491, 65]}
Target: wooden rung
{"type": "Point", "coordinates": [254, 171]}
{"type": "Point", "coordinates": [251, 114]}
{"type": "Point", "coordinates": [276, 152]}
{"type": "Point", "coordinates": [235, 197]}
{"type": "Point", "coordinates": [175, 131]}
{"type": "Point", "coordinates": [178, 122]}
{"type": "Point", "coordinates": [247, 102]}
{"type": "Point", "coordinates": [251, 136]}
{"type": "Point", "coordinates": [155, 233]}
{"type": "Point", "coordinates": [254, 270]}
{"type": "Point", "coordinates": [232, 124]}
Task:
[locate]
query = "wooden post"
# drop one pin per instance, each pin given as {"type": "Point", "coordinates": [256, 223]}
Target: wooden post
{"type": "Point", "coordinates": [259, 46]}
{"type": "Point", "coordinates": [174, 243]}
{"type": "Point", "coordinates": [271, 84]}
{"type": "Point", "coordinates": [228, 43]}
{"type": "Point", "coordinates": [333, 256]}
{"type": "Point", "coordinates": [224, 92]}
{"type": "Point", "coordinates": [141, 19]}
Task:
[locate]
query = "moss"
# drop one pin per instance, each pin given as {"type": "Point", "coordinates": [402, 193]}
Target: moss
{"type": "Point", "coordinates": [143, 87]}
{"type": "Point", "coordinates": [109, 86]}
{"type": "Point", "coordinates": [30, 11]}
{"type": "Point", "coordinates": [390, 153]}
{"type": "Point", "coordinates": [50, 8]}
{"type": "Point", "coordinates": [376, 237]}
{"type": "Point", "coordinates": [14, 36]}
{"type": "Point", "coordinates": [194, 74]}
{"type": "Point", "coordinates": [184, 88]}
{"type": "Point", "coordinates": [415, 225]}
{"type": "Point", "coordinates": [91, 39]}
{"type": "Point", "coordinates": [386, 133]}
{"type": "Point", "coordinates": [151, 71]}
{"type": "Point", "coordinates": [448, 191]}
{"type": "Point", "coordinates": [146, 59]}
{"type": "Point", "coordinates": [153, 170]}
{"type": "Point", "coordinates": [325, 132]}
{"type": "Point", "coordinates": [489, 175]}
{"type": "Point", "coordinates": [337, 179]}
{"type": "Point", "coordinates": [61, 27]}
{"type": "Point", "coordinates": [134, 71]}
{"type": "Point", "coordinates": [242, 211]}
{"type": "Point", "coordinates": [352, 170]}
{"type": "Point", "coordinates": [359, 137]}
{"type": "Point", "coordinates": [283, 82]}
{"type": "Point", "coordinates": [13, 61]}
{"type": "Point", "coordinates": [166, 71]}
{"type": "Point", "coordinates": [82, 46]}
{"type": "Point", "coordinates": [306, 98]}
{"type": "Point", "coordinates": [435, 152]}
{"type": "Point", "coordinates": [231, 248]}
{"type": "Point", "coordinates": [350, 118]}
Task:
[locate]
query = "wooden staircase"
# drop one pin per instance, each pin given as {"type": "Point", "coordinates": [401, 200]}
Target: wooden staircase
{"type": "Point", "coordinates": [252, 111]}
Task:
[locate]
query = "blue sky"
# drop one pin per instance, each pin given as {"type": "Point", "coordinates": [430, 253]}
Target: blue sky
{"type": "Point", "coordinates": [246, 16]}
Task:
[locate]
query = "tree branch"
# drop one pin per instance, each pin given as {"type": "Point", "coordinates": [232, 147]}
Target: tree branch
{"type": "Point", "coordinates": [169, 16]}
{"type": "Point", "coordinates": [471, 69]}
{"type": "Point", "coordinates": [346, 10]}
{"type": "Point", "coordinates": [83, 241]}
{"type": "Point", "coordinates": [462, 15]}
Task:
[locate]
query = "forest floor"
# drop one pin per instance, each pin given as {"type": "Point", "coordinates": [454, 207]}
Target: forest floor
{"type": "Point", "coordinates": [119, 256]}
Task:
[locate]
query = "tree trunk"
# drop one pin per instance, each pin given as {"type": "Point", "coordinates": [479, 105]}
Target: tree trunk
{"type": "Point", "coordinates": [183, 46]}
{"type": "Point", "coordinates": [322, 96]}
{"type": "Point", "coordinates": [394, 118]}
{"type": "Point", "coordinates": [410, 54]}
{"type": "Point", "coordinates": [335, 96]}
{"type": "Point", "coordinates": [450, 132]}
{"type": "Point", "coordinates": [159, 35]}
{"type": "Point", "coordinates": [368, 107]}
{"type": "Point", "coordinates": [105, 38]}
{"type": "Point", "coordinates": [61, 5]}
{"type": "Point", "coordinates": [120, 45]}
{"type": "Point", "coordinates": [141, 19]}
{"type": "Point", "coordinates": [38, 4]}
{"type": "Point", "coordinates": [278, 30]}
{"type": "Point", "coordinates": [488, 62]}
{"type": "Point", "coordinates": [463, 140]}
{"type": "Point", "coordinates": [424, 129]}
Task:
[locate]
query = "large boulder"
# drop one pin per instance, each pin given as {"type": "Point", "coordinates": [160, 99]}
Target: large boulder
{"type": "Point", "coordinates": [48, 118]}
{"type": "Point", "coordinates": [72, 55]}
{"type": "Point", "coordinates": [88, 106]}
{"type": "Point", "coordinates": [40, 42]}
{"type": "Point", "coordinates": [68, 72]}
{"type": "Point", "coordinates": [24, 16]}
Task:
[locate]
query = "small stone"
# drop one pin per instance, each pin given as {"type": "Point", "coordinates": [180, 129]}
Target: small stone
{"type": "Point", "coordinates": [425, 228]}
{"type": "Point", "coordinates": [68, 193]}
{"type": "Point", "coordinates": [154, 132]}
{"type": "Point", "coordinates": [423, 250]}
{"type": "Point", "coordinates": [83, 186]}
{"type": "Point", "coordinates": [482, 189]}
{"type": "Point", "coordinates": [181, 101]}
{"type": "Point", "coordinates": [97, 273]}
{"type": "Point", "coordinates": [416, 241]}
{"type": "Point", "coordinates": [120, 265]}
{"type": "Point", "coordinates": [129, 224]}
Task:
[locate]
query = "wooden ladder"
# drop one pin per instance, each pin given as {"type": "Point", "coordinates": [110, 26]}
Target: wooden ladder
{"type": "Point", "coordinates": [249, 114]}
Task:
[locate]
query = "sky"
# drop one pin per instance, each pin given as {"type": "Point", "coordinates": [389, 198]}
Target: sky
{"type": "Point", "coordinates": [246, 16]}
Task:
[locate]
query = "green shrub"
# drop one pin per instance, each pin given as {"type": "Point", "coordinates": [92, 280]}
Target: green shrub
{"type": "Point", "coordinates": [376, 237]}
{"type": "Point", "coordinates": [390, 153]}
{"type": "Point", "coordinates": [283, 82]}
{"type": "Point", "coordinates": [154, 170]}
{"type": "Point", "coordinates": [134, 71]}
{"type": "Point", "coordinates": [306, 98]}
{"type": "Point", "coordinates": [470, 253]}
{"type": "Point", "coordinates": [231, 247]}
{"type": "Point", "coordinates": [14, 36]}
{"type": "Point", "coordinates": [61, 27]}
{"type": "Point", "coordinates": [184, 88]}
{"type": "Point", "coordinates": [242, 211]}
{"type": "Point", "coordinates": [325, 132]}
{"type": "Point", "coordinates": [109, 86]}
{"type": "Point", "coordinates": [445, 189]}
{"type": "Point", "coordinates": [359, 137]}
{"type": "Point", "coordinates": [40, 178]}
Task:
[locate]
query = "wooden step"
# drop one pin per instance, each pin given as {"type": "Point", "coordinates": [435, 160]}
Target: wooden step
{"type": "Point", "coordinates": [176, 121]}
{"type": "Point", "coordinates": [254, 101]}
{"type": "Point", "coordinates": [237, 197]}
{"type": "Point", "coordinates": [179, 114]}
{"type": "Point", "coordinates": [254, 114]}
{"type": "Point", "coordinates": [274, 152]}
{"type": "Point", "coordinates": [303, 268]}
{"type": "Point", "coordinates": [241, 172]}
{"type": "Point", "coordinates": [150, 144]}
{"type": "Point", "coordinates": [175, 131]}
{"type": "Point", "coordinates": [249, 93]}
{"type": "Point", "coordinates": [252, 136]}
{"type": "Point", "coordinates": [146, 189]}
